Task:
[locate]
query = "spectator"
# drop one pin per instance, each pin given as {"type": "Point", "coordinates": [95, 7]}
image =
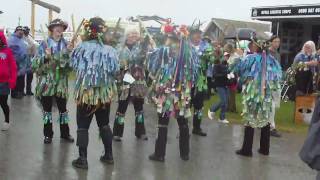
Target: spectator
{"type": "Point", "coordinates": [220, 74]}
{"type": "Point", "coordinates": [19, 48]}
{"type": "Point", "coordinates": [8, 77]}
{"type": "Point", "coordinates": [273, 51]}
{"type": "Point", "coordinates": [31, 52]}
{"type": "Point", "coordinates": [232, 58]}
{"type": "Point", "coordinates": [304, 76]}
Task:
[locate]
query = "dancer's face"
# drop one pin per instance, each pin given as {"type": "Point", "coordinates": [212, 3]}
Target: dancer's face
{"type": "Point", "coordinates": [19, 33]}
{"type": "Point", "coordinates": [253, 47]}
{"type": "Point", "coordinates": [132, 38]}
{"type": "Point", "coordinates": [196, 39]}
{"type": "Point", "coordinates": [107, 37]}
{"type": "Point", "coordinates": [308, 49]}
{"type": "Point", "coordinates": [275, 44]}
{"type": "Point", "coordinates": [57, 32]}
{"type": "Point", "coordinates": [173, 43]}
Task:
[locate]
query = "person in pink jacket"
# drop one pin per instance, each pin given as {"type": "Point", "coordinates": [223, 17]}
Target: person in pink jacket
{"type": "Point", "coordinates": [8, 77]}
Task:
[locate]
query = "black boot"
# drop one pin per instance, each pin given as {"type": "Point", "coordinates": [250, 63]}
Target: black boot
{"type": "Point", "coordinates": [65, 133]}
{"type": "Point", "coordinates": [265, 140]}
{"type": "Point", "coordinates": [47, 128]}
{"type": "Point", "coordinates": [47, 140]}
{"type": "Point", "coordinates": [184, 138]}
{"type": "Point", "coordinates": [29, 93]}
{"type": "Point", "coordinates": [81, 162]}
{"type": "Point", "coordinates": [275, 133]}
{"type": "Point", "coordinates": [161, 142]}
{"type": "Point", "coordinates": [197, 118]}
{"type": "Point", "coordinates": [29, 83]}
{"type": "Point", "coordinates": [140, 130]}
{"type": "Point", "coordinates": [118, 127]}
{"type": "Point", "coordinates": [106, 136]}
{"type": "Point", "coordinates": [64, 127]}
{"type": "Point", "coordinates": [246, 149]}
{"type": "Point", "coordinates": [17, 95]}
{"type": "Point", "coordinates": [82, 143]}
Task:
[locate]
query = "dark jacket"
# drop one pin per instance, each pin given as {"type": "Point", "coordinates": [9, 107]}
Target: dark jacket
{"type": "Point", "coordinates": [220, 72]}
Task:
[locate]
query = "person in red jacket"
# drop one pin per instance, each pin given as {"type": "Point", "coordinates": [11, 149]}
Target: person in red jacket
{"type": "Point", "coordinates": [8, 77]}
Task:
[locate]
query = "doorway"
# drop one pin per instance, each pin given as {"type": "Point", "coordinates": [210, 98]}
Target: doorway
{"type": "Point", "coordinates": [316, 35]}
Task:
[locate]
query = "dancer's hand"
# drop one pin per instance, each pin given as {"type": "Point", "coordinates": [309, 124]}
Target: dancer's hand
{"type": "Point", "coordinates": [48, 51]}
{"type": "Point", "coordinates": [70, 46]}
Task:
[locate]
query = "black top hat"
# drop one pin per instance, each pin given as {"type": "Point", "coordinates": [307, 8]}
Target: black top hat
{"type": "Point", "coordinates": [57, 22]}
{"type": "Point", "coordinates": [26, 29]}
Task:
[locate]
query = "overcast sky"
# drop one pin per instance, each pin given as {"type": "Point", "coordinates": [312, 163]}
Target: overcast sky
{"type": "Point", "coordinates": [181, 11]}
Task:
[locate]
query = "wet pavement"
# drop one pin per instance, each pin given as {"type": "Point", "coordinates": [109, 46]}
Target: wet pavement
{"type": "Point", "coordinates": [23, 156]}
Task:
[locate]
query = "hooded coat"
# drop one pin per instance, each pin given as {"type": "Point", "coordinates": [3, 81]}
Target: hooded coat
{"type": "Point", "coordinates": [8, 67]}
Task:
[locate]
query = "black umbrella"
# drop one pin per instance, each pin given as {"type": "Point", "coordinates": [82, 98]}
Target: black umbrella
{"type": "Point", "coordinates": [241, 34]}
{"type": "Point", "coordinates": [245, 34]}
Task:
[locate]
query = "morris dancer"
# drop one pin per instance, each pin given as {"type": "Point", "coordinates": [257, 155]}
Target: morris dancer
{"type": "Point", "coordinates": [261, 74]}
{"type": "Point", "coordinates": [173, 69]}
{"type": "Point", "coordinates": [132, 84]}
{"type": "Point", "coordinates": [96, 65]}
{"type": "Point", "coordinates": [52, 68]}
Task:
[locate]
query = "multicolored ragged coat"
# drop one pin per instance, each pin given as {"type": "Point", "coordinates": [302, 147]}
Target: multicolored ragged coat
{"type": "Point", "coordinates": [262, 75]}
{"type": "Point", "coordinates": [174, 72]}
{"type": "Point", "coordinates": [205, 53]}
{"type": "Point", "coordinates": [96, 66]}
{"type": "Point", "coordinates": [52, 71]}
{"type": "Point", "coordinates": [133, 62]}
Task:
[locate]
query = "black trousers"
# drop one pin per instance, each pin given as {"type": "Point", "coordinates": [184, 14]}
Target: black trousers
{"type": "Point", "coordinates": [5, 107]}
{"type": "Point", "coordinates": [210, 86]}
{"type": "Point", "coordinates": [304, 81]}
{"type": "Point", "coordinates": [19, 85]}
{"type": "Point", "coordinates": [85, 115]}
{"type": "Point", "coordinates": [29, 78]}
{"type": "Point", "coordinates": [197, 102]}
{"type": "Point", "coordinates": [118, 126]}
{"type": "Point", "coordinates": [248, 140]}
{"type": "Point", "coordinates": [184, 137]}
{"type": "Point", "coordinates": [47, 102]}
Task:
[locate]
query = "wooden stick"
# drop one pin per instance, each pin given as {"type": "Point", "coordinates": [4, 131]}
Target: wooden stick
{"type": "Point", "coordinates": [44, 35]}
{"type": "Point", "coordinates": [73, 23]}
{"type": "Point", "coordinates": [75, 34]}
{"type": "Point", "coordinates": [147, 32]}
{"type": "Point", "coordinates": [117, 27]}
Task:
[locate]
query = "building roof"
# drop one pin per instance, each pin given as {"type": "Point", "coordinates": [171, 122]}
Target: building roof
{"type": "Point", "coordinates": [227, 25]}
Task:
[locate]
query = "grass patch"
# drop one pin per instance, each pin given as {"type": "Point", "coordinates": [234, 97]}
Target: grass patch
{"type": "Point", "coordinates": [284, 115]}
